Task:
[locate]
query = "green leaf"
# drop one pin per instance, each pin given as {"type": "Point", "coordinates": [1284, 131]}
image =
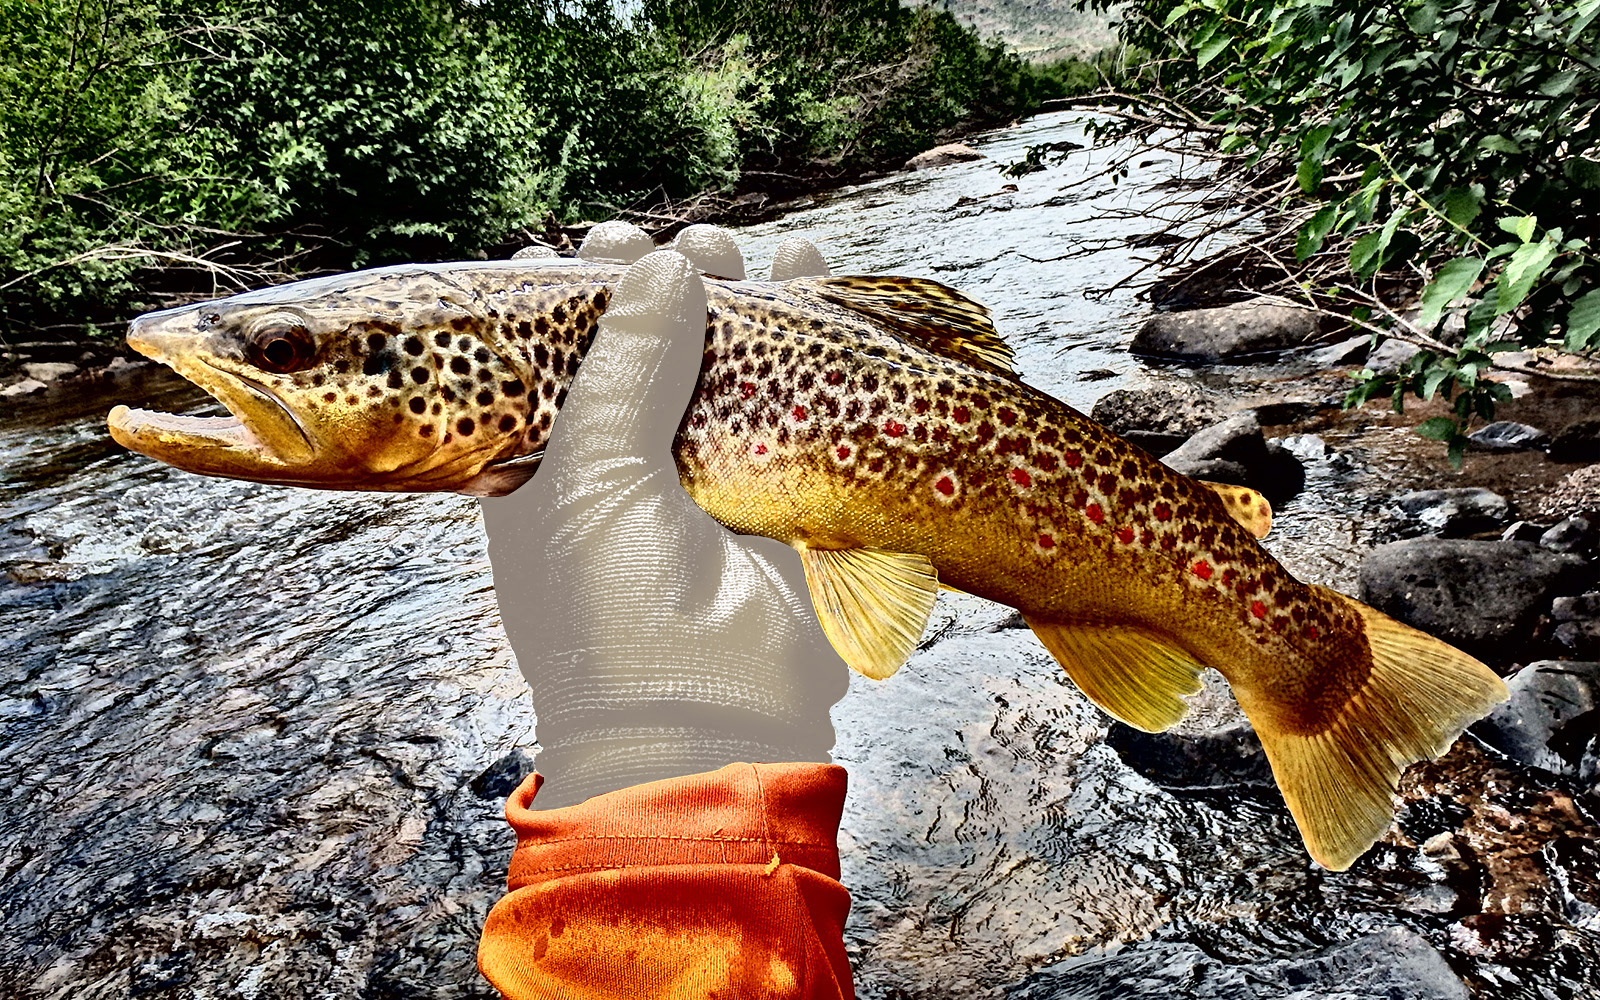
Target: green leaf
{"type": "Point", "coordinates": [1309, 239]}
{"type": "Point", "coordinates": [1583, 322]}
{"type": "Point", "coordinates": [1558, 84]}
{"type": "Point", "coordinates": [1437, 429]}
{"type": "Point", "coordinates": [1498, 144]}
{"type": "Point", "coordinates": [1213, 47]}
{"type": "Point", "coordinates": [1520, 226]}
{"type": "Point", "coordinates": [1365, 252]}
{"type": "Point", "coordinates": [1450, 283]}
{"type": "Point", "coordinates": [1432, 379]}
{"type": "Point", "coordinates": [1457, 454]}
{"type": "Point", "coordinates": [1462, 205]}
{"type": "Point", "coordinates": [1526, 265]}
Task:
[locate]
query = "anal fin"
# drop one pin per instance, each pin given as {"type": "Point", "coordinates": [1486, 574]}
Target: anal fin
{"type": "Point", "coordinates": [1137, 675]}
{"type": "Point", "coordinates": [873, 604]}
{"type": "Point", "coordinates": [1246, 506]}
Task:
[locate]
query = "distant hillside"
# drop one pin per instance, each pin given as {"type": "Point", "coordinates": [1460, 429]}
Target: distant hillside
{"type": "Point", "coordinates": [1040, 30]}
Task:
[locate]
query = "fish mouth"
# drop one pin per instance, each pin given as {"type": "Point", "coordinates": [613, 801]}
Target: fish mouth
{"type": "Point", "coordinates": [260, 438]}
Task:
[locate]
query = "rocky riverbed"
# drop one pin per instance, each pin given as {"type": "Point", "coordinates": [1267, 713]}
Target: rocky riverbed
{"type": "Point", "coordinates": [255, 739]}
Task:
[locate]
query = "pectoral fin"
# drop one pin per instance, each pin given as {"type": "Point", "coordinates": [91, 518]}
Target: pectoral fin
{"type": "Point", "coordinates": [1133, 673]}
{"type": "Point", "coordinates": [1247, 506]}
{"type": "Point", "coordinates": [498, 478]}
{"type": "Point", "coordinates": [873, 604]}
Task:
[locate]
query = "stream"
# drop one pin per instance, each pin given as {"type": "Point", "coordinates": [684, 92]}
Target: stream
{"type": "Point", "coordinates": [256, 739]}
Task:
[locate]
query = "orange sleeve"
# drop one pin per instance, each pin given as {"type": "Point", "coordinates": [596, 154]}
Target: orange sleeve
{"type": "Point", "coordinates": [723, 884]}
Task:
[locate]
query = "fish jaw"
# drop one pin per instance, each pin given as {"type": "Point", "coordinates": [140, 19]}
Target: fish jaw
{"type": "Point", "coordinates": [259, 439]}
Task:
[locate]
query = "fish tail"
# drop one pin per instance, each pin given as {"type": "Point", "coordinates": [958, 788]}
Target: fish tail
{"type": "Point", "coordinates": [1339, 766]}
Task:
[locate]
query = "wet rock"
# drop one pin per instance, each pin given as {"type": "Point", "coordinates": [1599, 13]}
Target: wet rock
{"type": "Point", "coordinates": [1394, 964]}
{"type": "Point", "coordinates": [1483, 596]}
{"type": "Point", "coordinates": [1507, 435]}
{"type": "Point", "coordinates": [1233, 451]}
{"type": "Point", "coordinates": [502, 777]}
{"type": "Point", "coordinates": [1577, 442]}
{"type": "Point", "coordinates": [1547, 697]}
{"type": "Point", "coordinates": [1343, 353]}
{"type": "Point", "coordinates": [1577, 493]}
{"type": "Point", "coordinates": [1453, 513]}
{"type": "Point", "coordinates": [1523, 531]}
{"type": "Point", "coordinates": [1224, 332]}
{"type": "Point", "coordinates": [1305, 447]}
{"type": "Point", "coordinates": [1579, 638]}
{"type": "Point", "coordinates": [1157, 420]}
{"type": "Point", "coordinates": [1567, 609]}
{"type": "Point", "coordinates": [1575, 534]}
{"type": "Point", "coordinates": [1287, 411]}
{"type": "Point", "coordinates": [26, 387]}
{"type": "Point", "coordinates": [1390, 355]}
{"type": "Point", "coordinates": [50, 371]}
{"type": "Point", "coordinates": [942, 156]}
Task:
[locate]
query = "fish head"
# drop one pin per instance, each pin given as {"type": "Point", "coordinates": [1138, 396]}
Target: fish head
{"type": "Point", "coordinates": [392, 379]}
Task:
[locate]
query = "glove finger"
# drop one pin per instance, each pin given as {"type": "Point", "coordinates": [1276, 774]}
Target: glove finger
{"type": "Point", "coordinates": [712, 250]}
{"type": "Point", "coordinates": [798, 257]}
{"type": "Point", "coordinates": [615, 242]}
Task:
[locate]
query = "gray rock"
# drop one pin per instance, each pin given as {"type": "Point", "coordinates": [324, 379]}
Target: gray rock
{"type": "Point", "coordinates": [1229, 331]}
{"type": "Point", "coordinates": [1578, 492]}
{"type": "Point", "coordinates": [1393, 964]}
{"type": "Point", "coordinates": [1157, 420]}
{"type": "Point", "coordinates": [1546, 696]}
{"type": "Point", "coordinates": [1237, 439]}
{"type": "Point", "coordinates": [1578, 638]}
{"type": "Point", "coordinates": [26, 387]}
{"type": "Point", "coordinates": [1289, 411]}
{"type": "Point", "coordinates": [1218, 470]}
{"type": "Point", "coordinates": [1575, 534]}
{"type": "Point", "coordinates": [49, 371]}
{"type": "Point", "coordinates": [1390, 355]}
{"type": "Point", "coordinates": [1577, 442]}
{"type": "Point", "coordinates": [1507, 435]}
{"type": "Point", "coordinates": [1567, 609]}
{"type": "Point", "coordinates": [1305, 447]}
{"type": "Point", "coordinates": [1523, 531]}
{"type": "Point", "coordinates": [1454, 513]}
{"type": "Point", "coordinates": [942, 156]}
{"type": "Point", "coordinates": [1483, 596]}
{"type": "Point", "coordinates": [1343, 353]}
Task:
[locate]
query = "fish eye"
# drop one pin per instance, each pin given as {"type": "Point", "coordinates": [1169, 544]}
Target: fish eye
{"type": "Point", "coordinates": [280, 348]}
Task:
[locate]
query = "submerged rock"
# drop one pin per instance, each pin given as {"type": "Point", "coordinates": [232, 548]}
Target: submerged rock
{"type": "Point", "coordinates": [1224, 332]}
{"type": "Point", "coordinates": [1483, 596]}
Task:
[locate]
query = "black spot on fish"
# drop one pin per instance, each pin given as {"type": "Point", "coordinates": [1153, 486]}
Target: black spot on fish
{"type": "Point", "coordinates": [447, 393]}
{"type": "Point", "coordinates": [459, 324]}
{"type": "Point", "coordinates": [396, 380]}
{"type": "Point", "coordinates": [377, 364]}
{"type": "Point", "coordinates": [544, 421]}
{"type": "Point", "coordinates": [442, 339]}
{"type": "Point", "coordinates": [419, 375]}
{"type": "Point", "coordinates": [541, 354]}
{"type": "Point", "coordinates": [561, 397]}
{"type": "Point", "coordinates": [317, 379]}
{"type": "Point", "coordinates": [425, 431]}
{"type": "Point", "coordinates": [507, 422]}
{"type": "Point", "coordinates": [525, 329]}
{"type": "Point", "coordinates": [547, 390]}
{"type": "Point", "coordinates": [557, 361]}
{"type": "Point", "coordinates": [512, 388]}
{"type": "Point", "coordinates": [417, 404]}
{"type": "Point", "coordinates": [342, 365]}
{"type": "Point", "coordinates": [437, 409]}
{"type": "Point", "coordinates": [414, 346]}
{"type": "Point", "coordinates": [558, 314]}
{"type": "Point", "coordinates": [461, 366]}
{"type": "Point", "coordinates": [375, 341]}
{"type": "Point", "coordinates": [485, 397]}
{"type": "Point", "coordinates": [463, 345]}
{"type": "Point", "coordinates": [481, 355]}
{"type": "Point", "coordinates": [485, 375]}
{"type": "Point", "coordinates": [465, 426]}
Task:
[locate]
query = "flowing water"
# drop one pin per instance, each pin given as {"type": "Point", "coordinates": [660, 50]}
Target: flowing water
{"type": "Point", "coordinates": [256, 739]}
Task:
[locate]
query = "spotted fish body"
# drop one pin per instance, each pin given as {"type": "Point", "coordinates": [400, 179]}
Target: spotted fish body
{"type": "Point", "coordinates": [873, 424]}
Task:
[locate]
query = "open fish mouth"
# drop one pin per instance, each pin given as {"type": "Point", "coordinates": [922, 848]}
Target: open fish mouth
{"type": "Point", "coordinates": [259, 438]}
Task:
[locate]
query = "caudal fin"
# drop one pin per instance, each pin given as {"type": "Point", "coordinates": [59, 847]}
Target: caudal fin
{"type": "Point", "coordinates": [1340, 781]}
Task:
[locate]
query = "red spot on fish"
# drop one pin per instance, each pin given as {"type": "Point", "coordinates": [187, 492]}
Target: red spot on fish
{"type": "Point", "coordinates": [761, 449]}
{"type": "Point", "coordinates": [747, 389]}
{"type": "Point", "coordinates": [1007, 417]}
{"type": "Point", "coordinates": [1125, 536]}
{"type": "Point", "coordinates": [1073, 459]}
{"type": "Point", "coordinates": [1202, 569]}
{"type": "Point", "coordinates": [1046, 542]}
{"type": "Point", "coordinates": [1021, 477]}
{"type": "Point", "coordinates": [1095, 514]}
{"type": "Point", "coordinates": [1312, 631]}
{"type": "Point", "coordinates": [799, 413]}
{"type": "Point", "coordinates": [945, 485]}
{"type": "Point", "coordinates": [894, 428]}
{"type": "Point", "coordinates": [1258, 609]}
{"type": "Point", "coordinates": [1163, 511]}
{"type": "Point", "coordinates": [961, 414]}
{"type": "Point", "coordinates": [843, 451]}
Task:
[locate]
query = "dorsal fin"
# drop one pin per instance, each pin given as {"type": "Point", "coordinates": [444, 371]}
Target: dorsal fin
{"type": "Point", "coordinates": [930, 314]}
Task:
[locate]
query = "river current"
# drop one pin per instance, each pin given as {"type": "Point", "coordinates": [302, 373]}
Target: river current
{"type": "Point", "coordinates": [255, 739]}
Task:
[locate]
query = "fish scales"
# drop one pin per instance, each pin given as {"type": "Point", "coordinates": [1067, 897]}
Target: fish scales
{"type": "Point", "coordinates": [871, 420]}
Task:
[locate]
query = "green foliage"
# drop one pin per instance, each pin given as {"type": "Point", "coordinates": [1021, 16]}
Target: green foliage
{"type": "Point", "coordinates": [332, 133]}
{"type": "Point", "coordinates": [1446, 145]}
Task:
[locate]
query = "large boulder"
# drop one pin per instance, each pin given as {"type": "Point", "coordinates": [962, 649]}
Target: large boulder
{"type": "Point", "coordinates": [1234, 451]}
{"type": "Point", "coordinates": [1579, 441]}
{"type": "Point", "coordinates": [1230, 331]}
{"type": "Point", "coordinates": [1482, 596]}
{"type": "Point", "coordinates": [1548, 697]}
{"type": "Point", "coordinates": [942, 156]}
{"type": "Point", "coordinates": [1157, 420]}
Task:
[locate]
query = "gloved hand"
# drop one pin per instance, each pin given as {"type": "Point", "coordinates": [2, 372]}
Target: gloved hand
{"type": "Point", "coordinates": [656, 642]}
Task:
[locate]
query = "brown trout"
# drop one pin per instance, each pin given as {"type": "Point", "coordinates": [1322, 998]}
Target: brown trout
{"type": "Point", "coordinates": [874, 424]}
